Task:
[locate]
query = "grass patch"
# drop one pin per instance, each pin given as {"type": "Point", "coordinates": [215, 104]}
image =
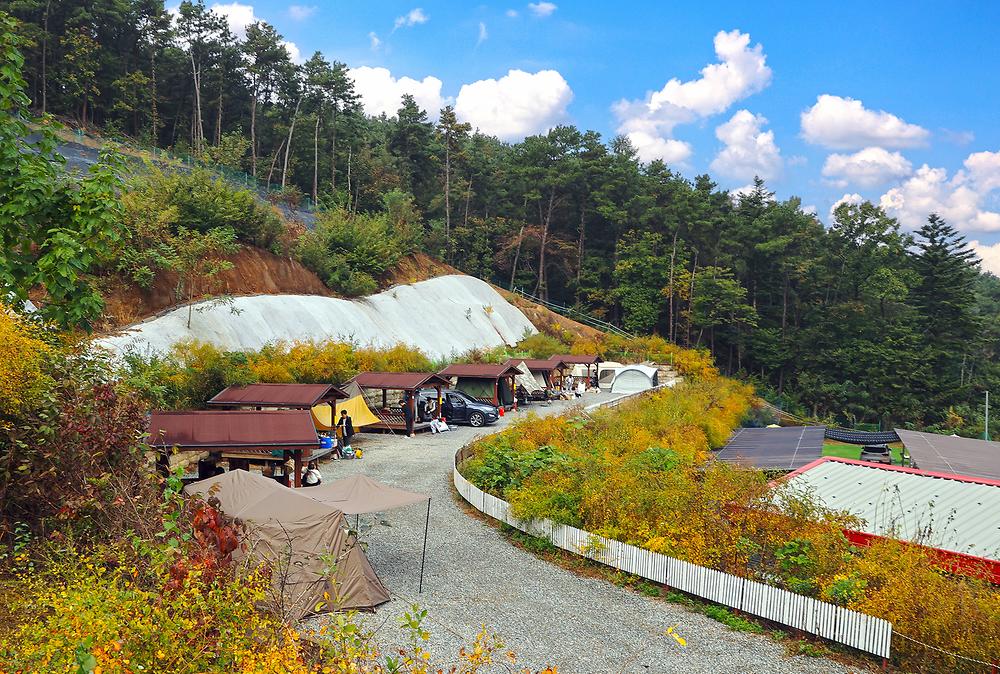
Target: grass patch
{"type": "Point", "coordinates": [731, 620]}
{"type": "Point", "coordinates": [846, 451]}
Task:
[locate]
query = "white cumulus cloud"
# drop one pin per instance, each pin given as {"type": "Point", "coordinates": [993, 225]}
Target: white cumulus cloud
{"type": "Point", "coordinates": [959, 199]}
{"type": "Point", "coordinates": [381, 93]}
{"type": "Point", "coordinates": [989, 254]}
{"type": "Point", "coordinates": [301, 12]}
{"type": "Point", "coordinates": [411, 18]}
{"type": "Point", "coordinates": [483, 34]}
{"type": "Point", "coordinates": [516, 105]}
{"type": "Point", "coordinates": [741, 71]}
{"type": "Point", "coordinates": [294, 52]}
{"type": "Point", "coordinates": [541, 8]}
{"type": "Point", "coordinates": [237, 15]}
{"type": "Point", "coordinates": [846, 124]}
{"type": "Point", "coordinates": [869, 167]}
{"type": "Point", "coordinates": [853, 198]}
{"type": "Point", "coordinates": [748, 150]}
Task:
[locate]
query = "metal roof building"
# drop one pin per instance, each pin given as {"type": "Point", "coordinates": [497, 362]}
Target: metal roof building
{"type": "Point", "coordinates": [952, 454]}
{"type": "Point", "coordinates": [785, 448]}
{"type": "Point", "coordinates": [948, 512]}
{"type": "Point", "coordinates": [289, 396]}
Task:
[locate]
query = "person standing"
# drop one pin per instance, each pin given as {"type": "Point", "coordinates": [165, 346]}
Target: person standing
{"type": "Point", "coordinates": [408, 415]}
{"type": "Point", "coordinates": [345, 427]}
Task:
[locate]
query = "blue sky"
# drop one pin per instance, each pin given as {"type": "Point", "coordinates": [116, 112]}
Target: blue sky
{"type": "Point", "coordinates": [909, 114]}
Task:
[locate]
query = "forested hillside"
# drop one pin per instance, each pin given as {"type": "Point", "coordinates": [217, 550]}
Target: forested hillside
{"type": "Point", "coordinates": [857, 320]}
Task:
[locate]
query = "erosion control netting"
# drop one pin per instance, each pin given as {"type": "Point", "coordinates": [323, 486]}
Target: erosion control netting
{"type": "Point", "coordinates": [443, 317]}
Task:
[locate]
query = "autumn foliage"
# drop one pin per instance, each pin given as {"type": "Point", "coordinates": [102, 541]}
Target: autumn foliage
{"type": "Point", "coordinates": [640, 474]}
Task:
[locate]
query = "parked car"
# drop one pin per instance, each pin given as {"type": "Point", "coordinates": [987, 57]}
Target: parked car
{"type": "Point", "coordinates": [876, 454]}
{"type": "Point", "coordinates": [458, 407]}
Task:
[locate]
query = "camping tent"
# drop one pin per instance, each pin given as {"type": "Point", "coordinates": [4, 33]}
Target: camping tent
{"type": "Point", "coordinates": [634, 378]}
{"type": "Point", "coordinates": [298, 537]}
{"type": "Point", "coordinates": [606, 372]}
{"type": "Point", "coordinates": [359, 494]}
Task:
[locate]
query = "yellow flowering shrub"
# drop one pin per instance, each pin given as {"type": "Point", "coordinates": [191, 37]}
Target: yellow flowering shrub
{"type": "Point", "coordinates": [22, 356]}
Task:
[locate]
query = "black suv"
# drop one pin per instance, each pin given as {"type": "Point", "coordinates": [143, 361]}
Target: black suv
{"type": "Point", "coordinates": [458, 408]}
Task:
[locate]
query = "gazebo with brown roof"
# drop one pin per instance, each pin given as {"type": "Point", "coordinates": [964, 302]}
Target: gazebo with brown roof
{"type": "Point", "coordinates": [406, 385]}
{"type": "Point", "coordinates": [540, 368]}
{"type": "Point", "coordinates": [241, 437]}
{"type": "Point", "coordinates": [574, 359]}
{"type": "Point", "coordinates": [489, 382]}
{"type": "Point", "coordinates": [280, 396]}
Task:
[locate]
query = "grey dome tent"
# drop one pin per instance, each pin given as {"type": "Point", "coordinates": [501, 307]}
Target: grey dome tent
{"type": "Point", "coordinates": [634, 378]}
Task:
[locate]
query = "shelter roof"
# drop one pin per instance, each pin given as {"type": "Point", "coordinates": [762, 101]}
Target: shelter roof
{"type": "Point", "coordinates": [302, 396]}
{"type": "Point", "coordinates": [571, 359]}
{"type": "Point", "coordinates": [242, 429]}
{"type": "Point", "coordinates": [786, 448]}
{"type": "Point", "coordinates": [948, 512]}
{"type": "Point", "coordinates": [360, 494]}
{"type": "Point", "coordinates": [402, 381]}
{"type": "Point", "coordinates": [480, 370]}
{"type": "Point", "coordinates": [952, 454]}
{"type": "Point", "coordinates": [537, 364]}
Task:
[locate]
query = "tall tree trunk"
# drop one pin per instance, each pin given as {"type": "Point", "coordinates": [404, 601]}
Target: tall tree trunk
{"type": "Point", "coordinates": [333, 155]}
{"type": "Point", "coordinates": [316, 160]}
{"type": "Point", "coordinates": [197, 131]}
{"type": "Point", "coordinates": [350, 153]}
{"type": "Point", "coordinates": [694, 273]}
{"type": "Point", "coordinates": [541, 289]}
{"type": "Point", "coordinates": [45, 53]}
{"type": "Point", "coordinates": [579, 249]}
{"type": "Point", "coordinates": [253, 132]}
{"type": "Point", "coordinates": [154, 112]}
{"type": "Point", "coordinates": [288, 145]}
{"type": "Point", "coordinates": [274, 162]}
{"type": "Point", "coordinates": [468, 198]}
{"type": "Point", "coordinates": [218, 112]}
{"type": "Point", "coordinates": [447, 196]}
{"type": "Point", "coordinates": [517, 254]}
{"type": "Point", "coordinates": [670, 290]}
{"type": "Point", "coordinates": [784, 307]}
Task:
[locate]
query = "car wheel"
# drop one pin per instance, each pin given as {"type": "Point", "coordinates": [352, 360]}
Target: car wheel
{"type": "Point", "coordinates": [477, 419]}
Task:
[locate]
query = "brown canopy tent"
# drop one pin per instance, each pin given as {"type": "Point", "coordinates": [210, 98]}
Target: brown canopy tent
{"type": "Point", "coordinates": [487, 382]}
{"type": "Point", "coordinates": [376, 387]}
{"type": "Point", "coordinates": [360, 494]}
{"type": "Point", "coordinates": [241, 437]}
{"type": "Point", "coordinates": [299, 537]}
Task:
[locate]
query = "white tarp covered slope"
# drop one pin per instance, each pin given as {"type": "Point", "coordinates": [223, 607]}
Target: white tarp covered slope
{"type": "Point", "coordinates": [442, 316]}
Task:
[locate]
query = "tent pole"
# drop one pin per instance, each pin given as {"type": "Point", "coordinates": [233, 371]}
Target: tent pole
{"type": "Point", "coordinates": [423, 555]}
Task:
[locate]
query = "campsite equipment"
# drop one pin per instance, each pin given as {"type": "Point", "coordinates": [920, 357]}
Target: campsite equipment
{"type": "Point", "coordinates": [297, 536]}
{"type": "Point", "coordinates": [634, 378]}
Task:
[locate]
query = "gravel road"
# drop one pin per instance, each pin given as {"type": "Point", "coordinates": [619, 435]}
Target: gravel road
{"type": "Point", "coordinates": [545, 614]}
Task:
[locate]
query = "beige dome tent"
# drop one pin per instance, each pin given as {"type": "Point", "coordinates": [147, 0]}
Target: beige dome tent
{"type": "Point", "coordinates": [634, 378]}
{"type": "Point", "coordinates": [302, 540]}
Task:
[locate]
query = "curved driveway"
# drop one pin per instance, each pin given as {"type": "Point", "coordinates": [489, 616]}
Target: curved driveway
{"type": "Point", "coordinates": [545, 614]}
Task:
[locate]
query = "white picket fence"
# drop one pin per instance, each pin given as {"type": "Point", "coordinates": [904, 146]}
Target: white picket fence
{"type": "Point", "coordinates": [858, 630]}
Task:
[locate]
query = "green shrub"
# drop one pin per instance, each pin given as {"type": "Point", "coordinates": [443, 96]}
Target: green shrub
{"type": "Point", "coordinates": [731, 620]}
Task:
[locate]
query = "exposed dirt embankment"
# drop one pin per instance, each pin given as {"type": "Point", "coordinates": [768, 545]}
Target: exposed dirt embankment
{"type": "Point", "coordinates": [550, 322]}
{"type": "Point", "coordinates": [254, 272]}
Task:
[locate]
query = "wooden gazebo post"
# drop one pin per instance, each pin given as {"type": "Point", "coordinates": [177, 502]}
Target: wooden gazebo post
{"type": "Point", "coordinates": [297, 467]}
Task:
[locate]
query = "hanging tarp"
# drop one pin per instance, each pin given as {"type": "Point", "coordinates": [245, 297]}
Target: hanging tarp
{"type": "Point", "coordinates": [482, 389]}
{"type": "Point", "coordinates": [526, 380]}
{"type": "Point", "coordinates": [323, 417]}
{"type": "Point", "coordinates": [360, 494]}
{"type": "Point", "coordinates": [358, 410]}
{"type": "Point", "coordinates": [506, 394]}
